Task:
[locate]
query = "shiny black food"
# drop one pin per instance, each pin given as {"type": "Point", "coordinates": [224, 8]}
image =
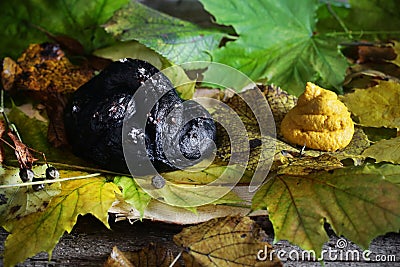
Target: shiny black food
{"type": "Point", "coordinates": [131, 107]}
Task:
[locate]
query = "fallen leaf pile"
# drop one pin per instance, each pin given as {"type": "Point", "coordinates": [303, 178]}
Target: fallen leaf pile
{"type": "Point", "coordinates": [331, 170]}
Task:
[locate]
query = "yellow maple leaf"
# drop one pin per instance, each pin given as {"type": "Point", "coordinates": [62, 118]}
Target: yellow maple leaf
{"type": "Point", "coordinates": [376, 106]}
{"type": "Point", "coordinates": [41, 231]}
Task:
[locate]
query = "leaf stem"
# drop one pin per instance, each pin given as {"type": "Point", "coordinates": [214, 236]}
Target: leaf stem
{"type": "Point", "coordinates": [49, 181]}
{"type": "Point", "coordinates": [87, 169]}
{"type": "Point", "coordinates": [342, 24]}
{"type": "Point", "coordinates": [75, 167]}
{"type": "Point", "coordinates": [360, 33]}
{"type": "Point", "coordinates": [176, 259]}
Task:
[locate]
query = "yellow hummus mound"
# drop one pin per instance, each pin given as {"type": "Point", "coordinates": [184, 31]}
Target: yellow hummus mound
{"type": "Point", "coordinates": [319, 121]}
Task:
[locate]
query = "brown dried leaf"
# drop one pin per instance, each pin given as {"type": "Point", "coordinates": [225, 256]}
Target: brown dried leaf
{"type": "Point", "coordinates": [152, 255]}
{"type": "Point", "coordinates": [45, 71]}
{"type": "Point", "coordinates": [55, 106]}
{"type": "Point", "coordinates": [117, 258]}
{"type": "Point", "coordinates": [368, 53]}
{"type": "Point", "coordinates": [10, 71]}
{"type": "Point", "coordinates": [70, 44]}
{"type": "Point", "coordinates": [45, 68]}
{"type": "Point", "coordinates": [2, 130]}
{"type": "Point", "coordinates": [24, 156]}
{"type": "Point", "coordinates": [369, 74]}
{"type": "Point", "coordinates": [364, 51]}
{"type": "Point", "coordinates": [227, 241]}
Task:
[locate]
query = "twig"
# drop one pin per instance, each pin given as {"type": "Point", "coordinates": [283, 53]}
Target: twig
{"type": "Point", "coordinates": [49, 181]}
{"type": "Point", "coordinates": [333, 13]}
{"type": "Point", "coordinates": [176, 259]}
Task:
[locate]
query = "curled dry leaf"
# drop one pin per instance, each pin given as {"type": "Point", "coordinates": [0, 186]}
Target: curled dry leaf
{"type": "Point", "coordinates": [363, 52]}
{"type": "Point", "coordinates": [117, 258]}
{"type": "Point", "coordinates": [153, 255]}
{"type": "Point", "coordinates": [375, 53]}
{"type": "Point", "coordinates": [228, 241]}
{"type": "Point", "coordinates": [24, 156]}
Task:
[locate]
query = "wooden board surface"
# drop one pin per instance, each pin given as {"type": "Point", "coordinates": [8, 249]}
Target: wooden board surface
{"type": "Point", "coordinates": [90, 243]}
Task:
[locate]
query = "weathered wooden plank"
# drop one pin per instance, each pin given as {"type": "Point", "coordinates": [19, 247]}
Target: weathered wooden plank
{"type": "Point", "coordinates": [90, 243]}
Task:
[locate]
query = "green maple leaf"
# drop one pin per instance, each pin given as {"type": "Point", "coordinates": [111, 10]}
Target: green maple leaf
{"type": "Point", "coordinates": [78, 19]}
{"type": "Point", "coordinates": [277, 41]}
{"type": "Point", "coordinates": [382, 15]}
{"type": "Point", "coordinates": [177, 40]}
{"type": "Point", "coordinates": [40, 231]}
{"type": "Point", "coordinates": [389, 171]}
{"type": "Point", "coordinates": [132, 193]}
{"type": "Point", "coordinates": [357, 202]}
{"type": "Point", "coordinates": [192, 188]}
{"type": "Point", "coordinates": [133, 49]}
